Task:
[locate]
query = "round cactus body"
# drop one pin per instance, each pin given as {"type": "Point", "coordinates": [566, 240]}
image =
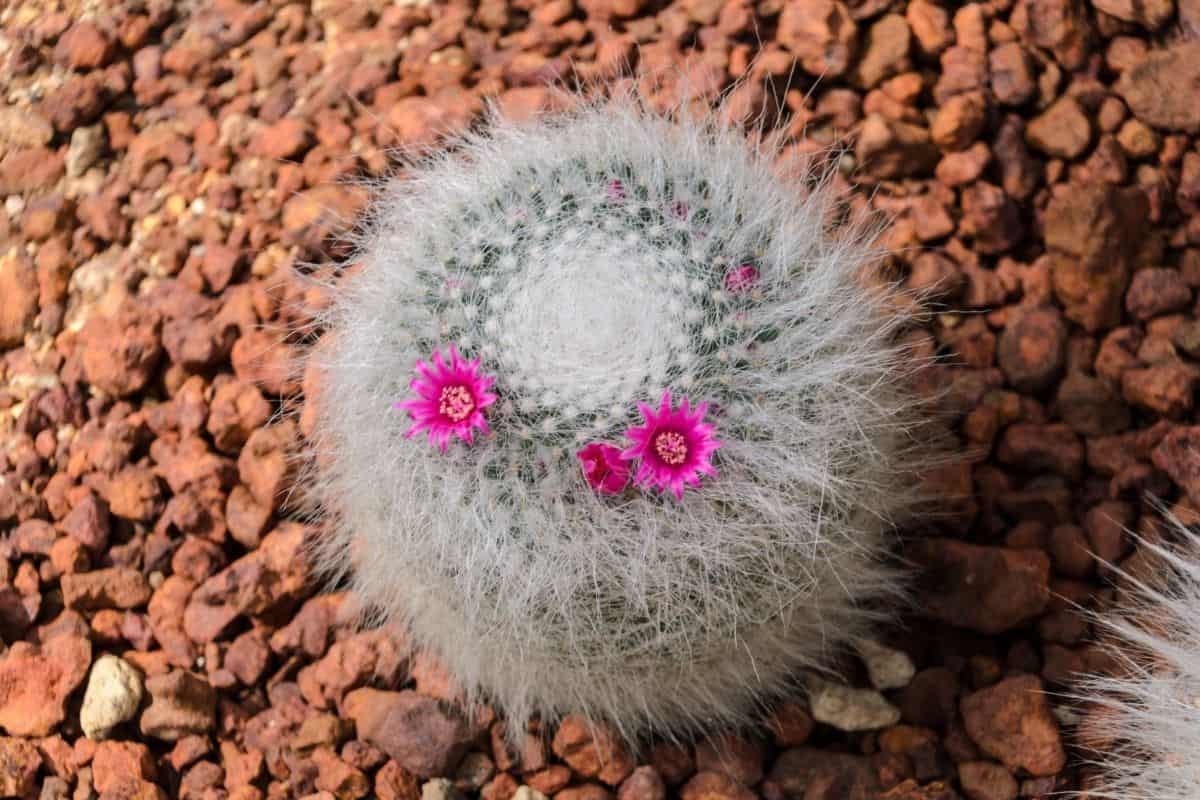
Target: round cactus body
{"type": "Point", "coordinates": [609, 421]}
{"type": "Point", "coordinates": [1145, 710]}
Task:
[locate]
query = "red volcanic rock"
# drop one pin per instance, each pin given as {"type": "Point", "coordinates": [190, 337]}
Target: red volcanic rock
{"type": "Point", "coordinates": [1161, 89]}
{"type": "Point", "coordinates": [237, 410]}
{"type": "Point", "coordinates": [592, 750]}
{"type": "Point", "coordinates": [120, 354]}
{"type": "Point", "coordinates": [987, 589]}
{"type": "Point", "coordinates": [1178, 455]}
{"type": "Point", "coordinates": [19, 765]}
{"type": "Point", "coordinates": [18, 287]}
{"type": "Point", "coordinates": [424, 737]}
{"type": "Point", "coordinates": [89, 523]}
{"type": "Point", "coordinates": [116, 587]}
{"type": "Point", "coordinates": [122, 768]}
{"type": "Point", "coordinates": [1011, 722]}
{"type": "Point", "coordinates": [1032, 349]}
{"type": "Point", "coordinates": [795, 773]}
{"type": "Point", "coordinates": [84, 46]}
{"type": "Point", "coordinates": [264, 581]}
{"type": "Point", "coordinates": [181, 703]}
{"type": "Point", "coordinates": [1095, 229]}
{"type": "Point", "coordinates": [36, 680]}
{"type": "Point", "coordinates": [820, 34]}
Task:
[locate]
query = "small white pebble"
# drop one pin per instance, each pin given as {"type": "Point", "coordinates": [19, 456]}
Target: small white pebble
{"type": "Point", "coordinates": [849, 709]}
{"type": "Point", "coordinates": [887, 668]}
{"type": "Point", "coordinates": [440, 789]}
{"type": "Point", "coordinates": [114, 692]}
{"type": "Point", "coordinates": [528, 793]}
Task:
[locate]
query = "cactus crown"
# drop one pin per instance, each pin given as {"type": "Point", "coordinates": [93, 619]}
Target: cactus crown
{"type": "Point", "coordinates": [639, 293]}
{"type": "Point", "coordinates": [586, 283]}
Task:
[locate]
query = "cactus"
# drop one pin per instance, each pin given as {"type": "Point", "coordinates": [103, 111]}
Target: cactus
{"type": "Point", "coordinates": [611, 419]}
{"type": "Point", "coordinates": [1145, 709]}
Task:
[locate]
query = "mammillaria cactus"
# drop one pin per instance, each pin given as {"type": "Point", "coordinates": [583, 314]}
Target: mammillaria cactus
{"type": "Point", "coordinates": [1146, 711]}
{"type": "Point", "coordinates": [610, 420]}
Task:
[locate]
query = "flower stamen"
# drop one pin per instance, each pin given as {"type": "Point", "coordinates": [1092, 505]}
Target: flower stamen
{"type": "Point", "coordinates": [451, 396]}
{"type": "Point", "coordinates": [456, 403]}
{"type": "Point", "coordinates": [671, 447]}
{"type": "Point", "coordinates": [674, 447]}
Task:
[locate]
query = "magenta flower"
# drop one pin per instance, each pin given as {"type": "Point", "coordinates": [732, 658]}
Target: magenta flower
{"type": "Point", "coordinates": [740, 280]}
{"type": "Point", "coordinates": [450, 399]}
{"type": "Point", "coordinates": [605, 470]}
{"type": "Point", "coordinates": [674, 446]}
{"type": "Point", "coordinates": [616, 191]}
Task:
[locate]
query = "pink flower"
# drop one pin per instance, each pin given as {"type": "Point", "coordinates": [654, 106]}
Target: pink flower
{"type": "Point", "coordinates": [679, 209]}
{"type": "Point", "coordinates": [740, 280]}
{"type": "Point", "coordinates": [450, 399]}
{"type": "Point", "coordinates": [674, 446]}
{"type": "Point", "coordinates": [603, 467]}
{"type": "Point", "coordinates": [616, 191]}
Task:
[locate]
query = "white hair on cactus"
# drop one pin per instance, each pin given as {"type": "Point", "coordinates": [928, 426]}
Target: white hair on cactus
{"type": "Point", "coordinates": [1147, 711]}
{"type": "Point", "coordinates": [591, 260]}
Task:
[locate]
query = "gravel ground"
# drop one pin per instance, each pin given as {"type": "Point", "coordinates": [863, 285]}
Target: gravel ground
{"type": "Point", "coordinates": [165, 165]}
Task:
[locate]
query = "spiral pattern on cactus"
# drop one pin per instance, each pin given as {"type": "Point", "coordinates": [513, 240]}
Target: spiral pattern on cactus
{"type": "Point", "coordinates": [681, 493]}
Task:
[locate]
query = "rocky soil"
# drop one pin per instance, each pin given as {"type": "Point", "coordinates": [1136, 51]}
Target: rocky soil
{"type": "Point", "coordinates": [166, 166]}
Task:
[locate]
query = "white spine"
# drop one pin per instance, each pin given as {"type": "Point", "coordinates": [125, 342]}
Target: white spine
{"type": "Point", "coordinates": [1149, 706]}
